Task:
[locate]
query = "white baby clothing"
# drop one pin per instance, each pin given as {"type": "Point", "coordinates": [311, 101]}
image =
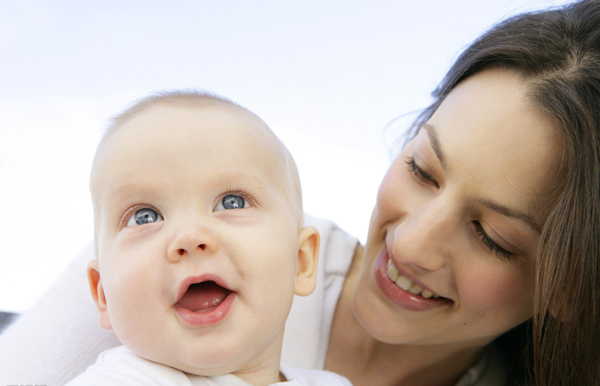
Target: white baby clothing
{"type": "Point", "coordinates": [121, 367]}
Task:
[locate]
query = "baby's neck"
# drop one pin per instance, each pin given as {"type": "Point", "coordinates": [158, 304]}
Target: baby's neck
{"type": "Point", "coordinates": [263, 368]}
{"type": "Point", "coordinates": [261, 377]}
{"type": "Point", "coordinates": [252, 378]}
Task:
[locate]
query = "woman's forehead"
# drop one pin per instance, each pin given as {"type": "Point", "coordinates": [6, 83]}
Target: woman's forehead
{"type": "Point", "coordinates": [488, 131]}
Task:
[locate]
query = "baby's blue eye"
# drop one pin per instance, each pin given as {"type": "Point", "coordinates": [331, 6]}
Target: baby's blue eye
{"type": "Point", "coordinates": [232, 201]}
{"type": "Point", "coordinates": [143, 216]}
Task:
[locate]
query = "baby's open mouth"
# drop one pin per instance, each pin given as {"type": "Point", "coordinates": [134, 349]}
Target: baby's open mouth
{"type": "Point", "coordinates": [205, 296]}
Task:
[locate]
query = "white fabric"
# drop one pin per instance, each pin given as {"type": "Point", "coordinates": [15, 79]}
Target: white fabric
{"type": "Point", "coordinates": [60, 337]}
{"type": "Point", "coordinates": [309, 323]}
{"type": "Point", "coordinates": [120, 367]}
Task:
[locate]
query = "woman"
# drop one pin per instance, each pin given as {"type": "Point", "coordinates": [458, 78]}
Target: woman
{"type": "Point", "coordinates": [485, 237]}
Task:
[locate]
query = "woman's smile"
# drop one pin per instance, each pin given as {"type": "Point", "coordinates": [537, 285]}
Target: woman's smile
{"type": "Point", "coordinates": [402, 290]}
{"type": "Point", "coordinates": [454, 214]}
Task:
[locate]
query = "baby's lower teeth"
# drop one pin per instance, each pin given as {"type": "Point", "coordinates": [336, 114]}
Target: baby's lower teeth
{"type": "Point", "coordinates": [407, 284]}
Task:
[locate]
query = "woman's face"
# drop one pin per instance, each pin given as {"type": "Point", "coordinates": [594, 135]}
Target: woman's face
{"type": "Point", "coordinates": [458, 219]}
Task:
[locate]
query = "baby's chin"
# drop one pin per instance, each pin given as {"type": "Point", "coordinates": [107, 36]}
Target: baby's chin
{"type": "Point", "coordinates": [246, 369]}
{"type": "Point", "coordinates": [203, 362]}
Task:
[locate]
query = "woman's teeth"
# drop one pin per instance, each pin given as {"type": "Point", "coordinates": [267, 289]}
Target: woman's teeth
{"type": "Point", "coordinates": [407, 284]}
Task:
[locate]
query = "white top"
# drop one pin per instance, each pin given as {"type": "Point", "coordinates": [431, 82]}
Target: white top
{"type": "Point", "coordinates": [60, 337]}
{"type": "Point", "coordinates": [120, 367]}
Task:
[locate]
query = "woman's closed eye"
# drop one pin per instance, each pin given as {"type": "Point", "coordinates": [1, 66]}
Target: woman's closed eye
{"type": "Point", "coordinates": [232, 201]}
{"type": "Point", "coordinates": [143, 216]}
{"type": "Point", "coordinates": [420, 174]}
{"type": "Point", "coordinates": [490, 244]}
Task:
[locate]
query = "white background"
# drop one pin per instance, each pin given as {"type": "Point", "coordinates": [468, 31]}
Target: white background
{"type": "Point", "coordinates": [327, 76]}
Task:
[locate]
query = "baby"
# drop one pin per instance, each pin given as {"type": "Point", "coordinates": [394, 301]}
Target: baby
{"type": "Point", "coordinates": [200, 247]}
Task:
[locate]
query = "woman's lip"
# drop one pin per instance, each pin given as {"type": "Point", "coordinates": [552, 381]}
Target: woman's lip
{"type": "Point", "coordinates": [188, 281]}
{"type": "Point", "coordinates": [408, 275]}
{"type": "Point", "coordinates": [397, 295]}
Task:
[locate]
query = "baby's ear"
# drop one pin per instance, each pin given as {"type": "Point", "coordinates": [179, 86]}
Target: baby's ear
{"type": "Point", "coordinates": [308, 258]}
{"type": "Point", "coordinates": [93, 275]}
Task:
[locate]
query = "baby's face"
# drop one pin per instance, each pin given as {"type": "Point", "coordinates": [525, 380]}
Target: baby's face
{"type": "Point", "coordinates": [198, 244]}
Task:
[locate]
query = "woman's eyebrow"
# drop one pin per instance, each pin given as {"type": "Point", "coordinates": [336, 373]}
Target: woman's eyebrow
{"type": "Point", "coordinates": [501, 209]}
{"type": "Point", "coordinates": [435, 143]}
{"type": "Point", "coordinates": [512, 213]}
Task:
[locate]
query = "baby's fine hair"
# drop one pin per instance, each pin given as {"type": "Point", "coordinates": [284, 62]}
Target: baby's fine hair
{"type": "Point", "coordinates": [184, 97]}
{"type": "Point", "coordinates": [191, 98]}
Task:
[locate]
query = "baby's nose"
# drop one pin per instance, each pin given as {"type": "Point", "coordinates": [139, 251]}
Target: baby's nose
{"type": "Point", "coordinates": [191, 242]}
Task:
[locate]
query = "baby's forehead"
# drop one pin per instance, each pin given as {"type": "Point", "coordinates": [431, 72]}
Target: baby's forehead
{"type": "Point", "coordinates": [166, 131]}
{"type": "Point", "coordinates": [159, 127]}
{"type": "Point", "coordinates": [209, 115]}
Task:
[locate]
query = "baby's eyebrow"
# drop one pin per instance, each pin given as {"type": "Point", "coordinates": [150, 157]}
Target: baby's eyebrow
{"type": "Point", "coordinates": [116, 195]}
{"type": "Point", "coordinates": [122, 190]}
{"type": "Point", "coordinates": [256, 183]}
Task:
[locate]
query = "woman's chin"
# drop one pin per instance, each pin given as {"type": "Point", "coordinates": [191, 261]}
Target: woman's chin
{"type": "Point", "coordinates": [375, 318]}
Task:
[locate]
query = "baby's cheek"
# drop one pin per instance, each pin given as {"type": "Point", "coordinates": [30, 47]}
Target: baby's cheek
{"type": "Point", "coordinates": [129, 303]}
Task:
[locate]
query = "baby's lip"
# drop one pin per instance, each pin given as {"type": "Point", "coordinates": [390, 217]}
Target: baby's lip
{"type": "Point", "coordinates": [187, 282]}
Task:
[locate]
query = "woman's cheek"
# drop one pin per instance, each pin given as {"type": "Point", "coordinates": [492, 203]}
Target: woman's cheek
{"type": "Point", "coordinates": [393, 196]}
{"type": "Point", "coordinates": [497, 288]}
{"type": "Point", "coordinates": [386, 192]}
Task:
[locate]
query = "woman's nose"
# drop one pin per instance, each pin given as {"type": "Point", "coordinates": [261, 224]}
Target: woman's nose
{"type": "Point", "coordinates": [191, 240]}
{"type": "Point", "coordinates": [423, 238]}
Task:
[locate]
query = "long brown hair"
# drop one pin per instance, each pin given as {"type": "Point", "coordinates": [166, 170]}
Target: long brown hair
{"type": "Point", "coordinates": [557, 51]}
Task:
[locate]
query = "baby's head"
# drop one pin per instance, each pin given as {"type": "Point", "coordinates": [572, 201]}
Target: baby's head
{"type": "Point", "coordinates": [199, 237]}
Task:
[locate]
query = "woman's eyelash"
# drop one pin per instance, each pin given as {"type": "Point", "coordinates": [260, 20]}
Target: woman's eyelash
{"type": "Point", "coordinates": [487, 240]}
{"type": "Point", "coordinates": [491, 244]}
{"type": "Point", "coordinates": [420, 173]}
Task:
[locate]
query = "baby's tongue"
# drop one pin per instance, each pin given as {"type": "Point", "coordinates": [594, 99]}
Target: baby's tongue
{"type": "Point", "coordinates": [203, 296]}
